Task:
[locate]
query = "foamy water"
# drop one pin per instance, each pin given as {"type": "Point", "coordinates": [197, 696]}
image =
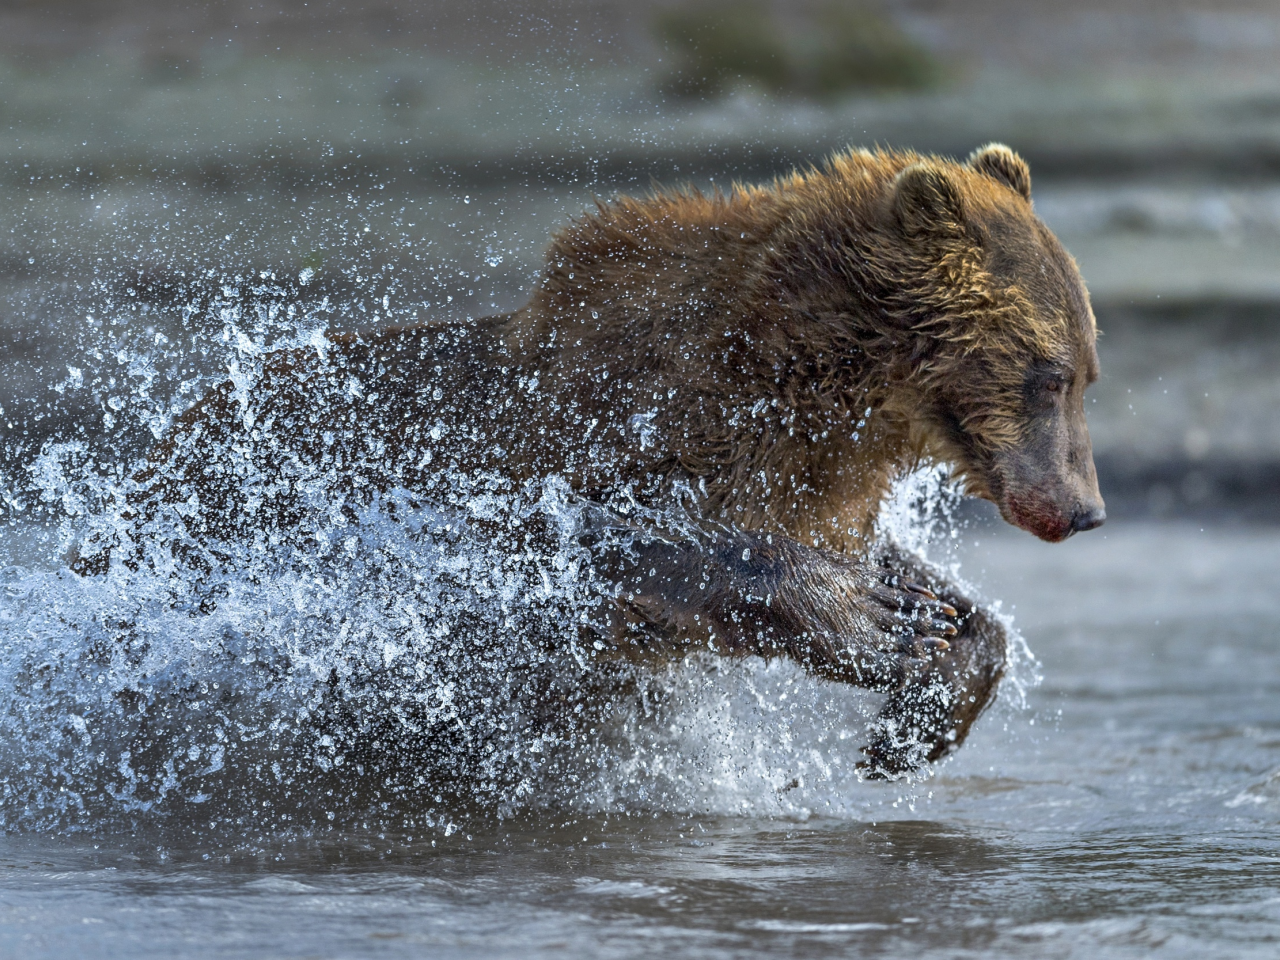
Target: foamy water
{"type": "Point", "coordinates": [398, 669]}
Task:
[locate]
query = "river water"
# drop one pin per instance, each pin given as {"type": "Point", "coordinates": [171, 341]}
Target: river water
{"type": "Point", "coordinates": [1129, 808]}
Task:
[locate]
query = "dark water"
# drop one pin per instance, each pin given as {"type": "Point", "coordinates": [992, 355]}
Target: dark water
{"type": "Point", "coordinates": [1130, 810]}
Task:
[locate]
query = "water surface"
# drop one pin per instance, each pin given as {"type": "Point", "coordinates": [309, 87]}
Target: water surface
{"type": "Point", "coordinates": [1130, 810]}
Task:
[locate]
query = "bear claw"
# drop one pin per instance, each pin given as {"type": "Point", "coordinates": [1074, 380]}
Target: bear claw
{"type": "Point", "coordinates": [919, 588]}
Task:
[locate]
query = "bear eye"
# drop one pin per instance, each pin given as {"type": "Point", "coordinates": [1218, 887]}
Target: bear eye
{"type": "Point", "coordinates": [1046, 384]}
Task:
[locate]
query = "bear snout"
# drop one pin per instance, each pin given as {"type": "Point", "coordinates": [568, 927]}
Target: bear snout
{"type": "Point", "coordinates": [1042, 516]}
{"type": "Point", "coordinates": [1039, 516]}
{"type": "Point", "coordinates": [1088, 518]}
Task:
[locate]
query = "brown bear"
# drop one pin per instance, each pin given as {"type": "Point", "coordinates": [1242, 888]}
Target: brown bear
{"type": "Point", "coordinates": [772, 359]}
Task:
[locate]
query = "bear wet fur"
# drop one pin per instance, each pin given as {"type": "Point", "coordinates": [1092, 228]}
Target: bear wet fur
{"type": "Point", "coordinates": [772, 358]}
{"type": "Point", "coordinates": [751, 333]}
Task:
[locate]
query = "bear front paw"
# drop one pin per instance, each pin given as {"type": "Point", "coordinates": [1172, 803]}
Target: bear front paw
{"type": "Point", "coordinates": [914, 615]}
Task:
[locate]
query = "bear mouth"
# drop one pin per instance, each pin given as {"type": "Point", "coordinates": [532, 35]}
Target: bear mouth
{"type": "Point", "coordinates": [1038, 516]}
{"type": "Point", "coordinates": [1026, 509]}
{"type": "Point", "coordinates": [986, 476]}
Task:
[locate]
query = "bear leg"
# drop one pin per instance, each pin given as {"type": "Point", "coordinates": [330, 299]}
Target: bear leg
{"type": "Point", "coordinates": [741, 592]}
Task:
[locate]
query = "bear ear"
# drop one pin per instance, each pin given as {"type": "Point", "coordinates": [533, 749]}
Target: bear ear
{"type": "Point", "coordinates": [1000, 163]}
{"type": "Point", "coordinates": [927, 200]}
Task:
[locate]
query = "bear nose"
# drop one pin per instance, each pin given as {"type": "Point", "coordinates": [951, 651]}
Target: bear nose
{"type": "Point", "coordinates": [1088, 519]}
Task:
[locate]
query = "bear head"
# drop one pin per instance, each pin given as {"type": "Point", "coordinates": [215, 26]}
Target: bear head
{"type": "Point", "coordinates": [1002, 340]}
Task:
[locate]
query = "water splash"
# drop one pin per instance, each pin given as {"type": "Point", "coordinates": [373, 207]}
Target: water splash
{"type": "Point", "coordinates": [410, 662]}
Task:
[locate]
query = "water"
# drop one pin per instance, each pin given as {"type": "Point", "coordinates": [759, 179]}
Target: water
{"type": "Point", "coordinates": [1129, 810]}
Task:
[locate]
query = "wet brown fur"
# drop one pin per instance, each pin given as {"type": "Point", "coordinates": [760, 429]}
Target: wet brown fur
{"type": "Point", "coordinates": [780, 354]}
{"type": "Point", "coordinates": [761, 326]}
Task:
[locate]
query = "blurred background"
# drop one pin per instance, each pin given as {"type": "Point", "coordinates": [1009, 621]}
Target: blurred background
{"type": "Point", "coordinates": [164, 163]}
